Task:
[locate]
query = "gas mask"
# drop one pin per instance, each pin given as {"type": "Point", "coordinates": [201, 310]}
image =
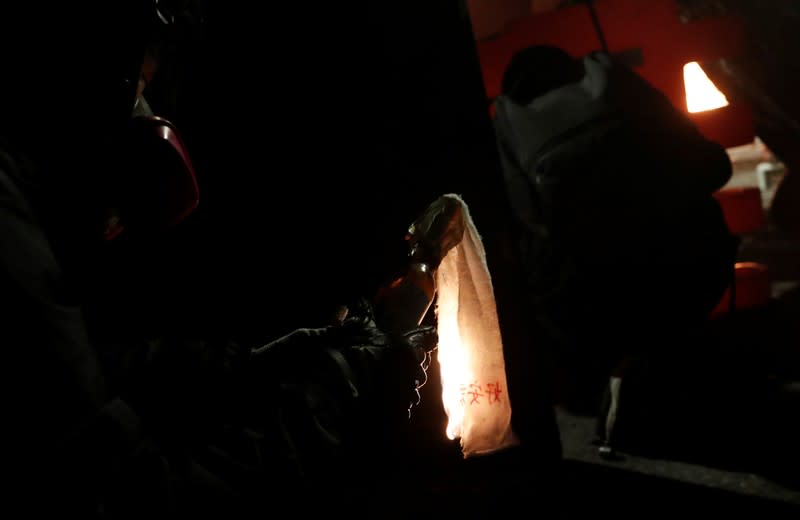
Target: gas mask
{"type": "Point", "coordinates": [154, 185]}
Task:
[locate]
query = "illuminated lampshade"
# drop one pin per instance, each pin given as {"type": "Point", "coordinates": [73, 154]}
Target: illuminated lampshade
{"type": "Point", "coordinates": [729, 122]}
{"type": "Point", "coordinates": [701, 93]}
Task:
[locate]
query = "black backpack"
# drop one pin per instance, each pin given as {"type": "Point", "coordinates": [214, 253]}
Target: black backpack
{"type": "Point", "coordinates": [613, 193]}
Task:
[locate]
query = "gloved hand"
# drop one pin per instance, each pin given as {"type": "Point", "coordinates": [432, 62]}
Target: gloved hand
{"type": "Point", "coordinates": [379, 366]}
{"type": "Point", "coordinates": [407, 356]}
{"type": "Point", "coordinates": [331, 399]}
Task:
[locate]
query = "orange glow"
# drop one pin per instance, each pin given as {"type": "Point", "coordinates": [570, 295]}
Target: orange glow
{"type": "Point", "coordinates": [701, 93]}
{"type": "Point", "coordinates": [455, 371]}
{"type": "Point", "coordinates": [474, 387]}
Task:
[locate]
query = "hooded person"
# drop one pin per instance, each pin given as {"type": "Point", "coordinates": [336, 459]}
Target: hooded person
{"type": "Point", "coordinates": [105, 414]}
{"type": "Point", "coordinates": [625, 247]}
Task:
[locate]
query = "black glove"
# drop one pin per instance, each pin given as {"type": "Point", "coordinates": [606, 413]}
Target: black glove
{"type": "Point", "coordinates": [422, 342]}
{"type": "Point", "coordinates": [378, 367]}
{"type": "Point", "coordinates": [401, 360]}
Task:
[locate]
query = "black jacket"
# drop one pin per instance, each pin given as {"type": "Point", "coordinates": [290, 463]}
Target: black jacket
{"type": "Point", "coordinates": [613, 189]}
{"type": "Point", "coordinates": [102, 418]}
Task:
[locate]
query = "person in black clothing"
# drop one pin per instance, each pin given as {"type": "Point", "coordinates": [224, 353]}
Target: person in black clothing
{"type": "Point", "coordinates": [626, 249]}
{"type": "Point", "coordinates": [105, 415]}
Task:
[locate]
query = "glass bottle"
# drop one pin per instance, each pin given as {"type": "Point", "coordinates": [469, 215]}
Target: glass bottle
{"type": "Point", "coordinates": [401, 305]}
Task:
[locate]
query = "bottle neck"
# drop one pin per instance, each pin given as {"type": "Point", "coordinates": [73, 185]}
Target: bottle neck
{"type": "Point", "coordinates": [419, 254]}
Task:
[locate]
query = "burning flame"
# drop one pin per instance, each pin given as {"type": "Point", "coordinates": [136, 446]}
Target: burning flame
{"type": "Point", "coordinates": [451, 355]}
{"type": "Point", "coordinates": [701, 93]}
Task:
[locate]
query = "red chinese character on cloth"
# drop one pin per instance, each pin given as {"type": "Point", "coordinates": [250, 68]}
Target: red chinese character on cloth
{"type": "Point", "coordinates": [471, 393]}
{"type": "Point", "coordinates": [493, 392]}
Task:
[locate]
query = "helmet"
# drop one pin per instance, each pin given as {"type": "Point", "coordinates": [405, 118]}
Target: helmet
{"type": "Point", "coordinates": [69, 97]}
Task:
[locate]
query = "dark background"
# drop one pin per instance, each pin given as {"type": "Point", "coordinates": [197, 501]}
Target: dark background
{"type": "Point", "coordinates": [318, 136]}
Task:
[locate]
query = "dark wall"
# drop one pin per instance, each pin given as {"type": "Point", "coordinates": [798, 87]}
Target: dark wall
{"type": "Point", "coordinates": [318, 136]}
{"type": "Point", "coordinates": [769, 76]}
